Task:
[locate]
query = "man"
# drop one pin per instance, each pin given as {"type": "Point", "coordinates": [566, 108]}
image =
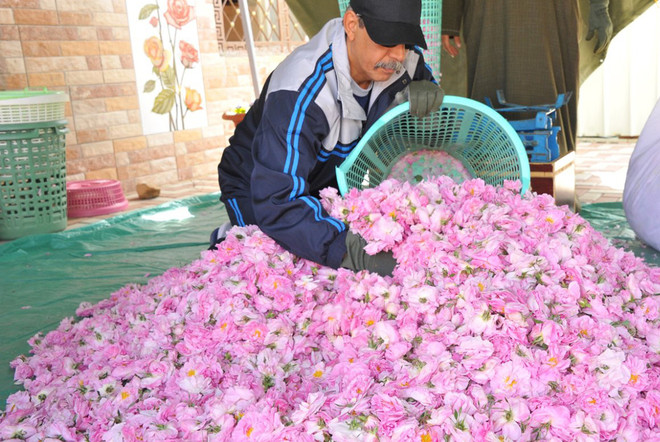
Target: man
{"type": "Point", "coordinates": [312, 112]}
{"type": "Point", "coordinates": [528, 49]}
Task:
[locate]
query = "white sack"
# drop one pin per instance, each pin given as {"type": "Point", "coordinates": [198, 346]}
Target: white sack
{"type": "Point", "coordinates": [641, 193]}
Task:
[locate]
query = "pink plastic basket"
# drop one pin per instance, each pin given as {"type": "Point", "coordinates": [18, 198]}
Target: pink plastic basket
{"type": "Point", "coordinates": [94, 197]}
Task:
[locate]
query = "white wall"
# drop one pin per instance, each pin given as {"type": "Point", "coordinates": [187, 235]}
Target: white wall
{"type": "Point", "coordinates": [618, 97]}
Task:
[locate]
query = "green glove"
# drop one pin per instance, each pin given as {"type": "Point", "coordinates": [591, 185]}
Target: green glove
{"type": "Point", "coordinates": [600, 21]}
{"type": "Point", "coordinates": [425, 97]}
{"type": "Point", "coordinates": [357, 259]}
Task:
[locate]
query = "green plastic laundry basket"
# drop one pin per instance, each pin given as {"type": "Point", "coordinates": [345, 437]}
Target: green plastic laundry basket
{"type": "Point", "coordinates": [31, 106]}
{"type": "Point", "coordinates": [431, 22]}
{"type": "Point", "coordinates": [32, 178]}
{"type": "Point", "coordinates": [471, 132]}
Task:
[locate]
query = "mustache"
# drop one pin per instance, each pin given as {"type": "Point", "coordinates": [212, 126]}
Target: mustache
{"type": "Point", "coordinates": [393, 65]}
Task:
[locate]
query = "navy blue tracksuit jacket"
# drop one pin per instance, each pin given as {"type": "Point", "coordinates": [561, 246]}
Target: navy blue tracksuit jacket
{"type": "Point", "coordinates": [303, 125]}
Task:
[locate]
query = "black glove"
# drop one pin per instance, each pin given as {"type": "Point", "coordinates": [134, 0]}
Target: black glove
{"type": "Point", "coordinates": [600, 21]}
{"type": "Point", "coordinates": [357, 259]}
{"type": "Point", "coordinates": [425, 97]}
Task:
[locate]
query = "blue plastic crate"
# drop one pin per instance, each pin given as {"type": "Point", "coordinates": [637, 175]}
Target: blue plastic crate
{"type": "Point", "coordinates": [538, 134]}
{"type": "Point", "coordinates": [541, 146]}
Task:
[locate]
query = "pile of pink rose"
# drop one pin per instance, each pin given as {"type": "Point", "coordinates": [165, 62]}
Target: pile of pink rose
{"type": "Point", "coordinates": [419, 165]}
{"type": "Point", "coordinates": [507, 318]}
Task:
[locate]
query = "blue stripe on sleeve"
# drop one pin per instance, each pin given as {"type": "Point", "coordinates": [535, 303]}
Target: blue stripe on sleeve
{"type": "Point", "coordinates": [340, 151]}
{"type": "Point", "coordinates": [311, 88]}
{"type": "Point", "coordinates": [237, 212]}
{"type": "Point", "coordinates": [318, 214]}
{"type": "Point", "coordinates": [318, 84]}
{"type": "Point", "coordinates": [318, 73]}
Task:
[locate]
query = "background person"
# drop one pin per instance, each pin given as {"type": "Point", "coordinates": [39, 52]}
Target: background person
{"type": "Point", "coordinates": [529, 49]}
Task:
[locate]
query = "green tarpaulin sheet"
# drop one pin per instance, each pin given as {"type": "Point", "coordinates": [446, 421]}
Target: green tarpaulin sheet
{"type": "Point", "coordinates": [44, 278]}
{"type": "Point", "coordinates": [610, 220]}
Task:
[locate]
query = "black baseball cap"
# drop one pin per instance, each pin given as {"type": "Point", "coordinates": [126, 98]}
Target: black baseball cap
{"type": "Point", "coordinates": [392, 22]}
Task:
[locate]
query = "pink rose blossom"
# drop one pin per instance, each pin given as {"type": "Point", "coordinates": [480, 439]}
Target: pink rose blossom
{"type": "Point", "coordinates": [189, 54]}
{"type": "Point", "coordinates": [179, 13]}
{"type": "Point", "coordinates": [506, 318]}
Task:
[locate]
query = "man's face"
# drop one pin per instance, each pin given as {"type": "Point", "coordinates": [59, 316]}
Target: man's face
{"type": "Point", "coordinates": [369, 61]}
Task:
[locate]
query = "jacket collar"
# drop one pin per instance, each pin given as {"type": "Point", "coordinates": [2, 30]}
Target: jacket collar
{"type": "Point", "coordinates": [351, 109]}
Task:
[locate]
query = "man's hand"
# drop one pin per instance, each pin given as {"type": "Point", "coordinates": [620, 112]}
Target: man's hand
{"type": "Point", "coordinates": [425, 97]}
{"type": "Point", "coordinates": [451, 44]}
{"type": "Point", "coordinates": [357, 259]}
{"type": "Point", "coordinates": [601, 23]}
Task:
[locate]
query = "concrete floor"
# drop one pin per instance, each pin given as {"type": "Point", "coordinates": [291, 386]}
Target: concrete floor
{"type": "Point", "coordinates": [600, 168]}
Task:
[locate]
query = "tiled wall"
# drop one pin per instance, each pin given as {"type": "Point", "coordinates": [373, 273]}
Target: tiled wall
{"type": "Point", "coordinates": [83, 47]}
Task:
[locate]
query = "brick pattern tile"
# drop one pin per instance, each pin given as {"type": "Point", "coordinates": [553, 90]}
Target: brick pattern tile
{"type": "Point", "coordinates": [600, 169]}
{"type": "Point", "coordinates": [83, 47]}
